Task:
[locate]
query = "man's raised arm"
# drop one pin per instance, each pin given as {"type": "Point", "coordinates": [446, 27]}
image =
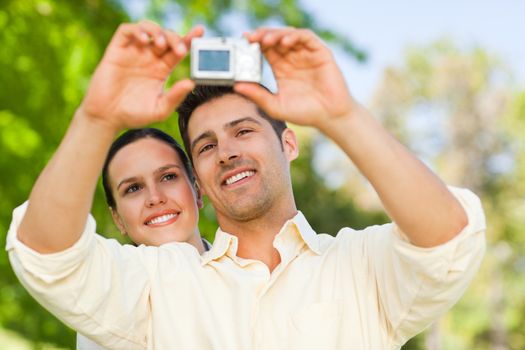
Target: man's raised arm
{"type": "Point", "coordinates": [312, 91]}
{"type": "Point", "coordinates": [126, 91]}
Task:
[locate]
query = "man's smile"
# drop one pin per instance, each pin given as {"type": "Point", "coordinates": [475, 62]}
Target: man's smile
{"type": "Point", "coordinates": [239, 176]}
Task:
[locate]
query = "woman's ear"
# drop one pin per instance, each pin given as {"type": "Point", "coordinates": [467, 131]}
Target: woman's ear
{"type": "Point", "coordinates": [118, 221]}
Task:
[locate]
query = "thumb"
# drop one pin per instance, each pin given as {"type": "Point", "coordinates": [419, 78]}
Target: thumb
{"type": "Point", "coordinates": [263, 98]}
{"type": "Point", "coordinates": [175, 95]}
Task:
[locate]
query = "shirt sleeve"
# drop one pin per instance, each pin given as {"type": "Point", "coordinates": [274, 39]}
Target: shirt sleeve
{"type": "Point", "coordinates": [97, 286]}
{"type": "Point", "coordinates": [84, 343]}
{"type": "Point", "coordinates": [417, 285]}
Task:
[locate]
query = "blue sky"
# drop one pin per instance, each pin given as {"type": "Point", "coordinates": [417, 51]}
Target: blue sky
{"type": "Point", "coordinates": [385, 28]}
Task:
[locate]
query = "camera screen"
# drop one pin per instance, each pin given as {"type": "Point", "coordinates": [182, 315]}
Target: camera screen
{"type": "Point", "coordinates": [214, 60]}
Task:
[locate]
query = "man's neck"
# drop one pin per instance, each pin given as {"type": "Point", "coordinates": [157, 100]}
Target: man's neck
{"type": "Point", "coordinates": [256, 236]}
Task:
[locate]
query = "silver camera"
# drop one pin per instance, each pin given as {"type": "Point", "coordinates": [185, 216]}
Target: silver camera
{"type": "Point", "coordinates": [223, 61]}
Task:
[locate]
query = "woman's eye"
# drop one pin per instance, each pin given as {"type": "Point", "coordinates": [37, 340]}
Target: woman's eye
{"type": "Point", "coordinates": [132, 188]}
{"type": "Point", "coordinates": [169, 177]}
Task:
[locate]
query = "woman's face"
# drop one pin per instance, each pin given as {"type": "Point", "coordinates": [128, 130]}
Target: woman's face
{"type": "Point", "coordinates": [155, 200]}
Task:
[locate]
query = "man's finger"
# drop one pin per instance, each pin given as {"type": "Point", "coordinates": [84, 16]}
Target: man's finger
{"type": "Point", "coordinates": [127, 33]}
{"type": "Point", "coordinates": [260, 96]}
{"type": "Point", "coordinates": [145, 33]}
{"type": "Point", "coordinates": [259, 33]}
{"type": "Point", "coordinates": [175, 95]}
{"type": "Point", "coordinates": [309, 39]}
{"type": "Point", "coordinates": [177, 48]}
{"type": "Point", "coordinates": [195, 32]}
{"type": "Point", "coordinates": [157, 38]}
{"type": "Point", "coordinates": [150, 28]}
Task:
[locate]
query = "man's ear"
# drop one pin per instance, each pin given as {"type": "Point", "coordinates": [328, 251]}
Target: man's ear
{"type": "Point", "coordinates": [198, 195]}
{"type": "Point", "coordinates": [290, 145]}
{"type": "Point", "coordinates": [118, 221]}
{"type": "Point", "coordinates": [198, 186]}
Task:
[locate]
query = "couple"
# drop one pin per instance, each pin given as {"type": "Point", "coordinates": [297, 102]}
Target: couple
{"type": "Point", "coordinates": [269, 281]}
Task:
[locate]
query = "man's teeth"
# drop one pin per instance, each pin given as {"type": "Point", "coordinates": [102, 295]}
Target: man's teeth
{"type": "Point", "coordinates": [161, 219]}
{"type": "Point", "coordinates": [239, 176]}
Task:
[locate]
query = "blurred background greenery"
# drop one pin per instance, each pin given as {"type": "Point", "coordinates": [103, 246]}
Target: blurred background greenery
{"type": "Point", "coordinates": [457, 109]}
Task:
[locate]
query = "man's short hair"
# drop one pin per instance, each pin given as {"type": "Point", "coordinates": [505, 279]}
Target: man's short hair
{"type": "Point", "coordinates": [206, 93]}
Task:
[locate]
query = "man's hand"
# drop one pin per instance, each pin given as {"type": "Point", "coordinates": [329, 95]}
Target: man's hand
{"type": "Point", "coordinates": [312, 91]}
{"type": "Point", "coordinates": [311, 88]}
{"type": "Point", "coordinates": [127, 88]}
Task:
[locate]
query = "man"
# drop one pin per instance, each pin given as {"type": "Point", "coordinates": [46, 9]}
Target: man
{"type": "Point", "coordinates": [269, 282]}
{"type": "Point", "coordinates": [372, 289]}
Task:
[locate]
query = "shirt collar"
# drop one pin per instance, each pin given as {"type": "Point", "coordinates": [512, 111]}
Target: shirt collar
{"type": "Point", "coordinates": [306, 232]}
{"type": "Point", "coordinates": [298, 226]}
{"type": "Point", "coordinates": [222, 243]}
{"type": "Point", "coordinates": [206, 244]}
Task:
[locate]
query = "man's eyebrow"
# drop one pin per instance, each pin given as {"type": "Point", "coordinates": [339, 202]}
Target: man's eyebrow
{"type": "Point", "coordinates": [235, 122]}
{"type": "Point", "coordinates": [204, 135]}
{"type": "Point", "coordinates": [228, 125]}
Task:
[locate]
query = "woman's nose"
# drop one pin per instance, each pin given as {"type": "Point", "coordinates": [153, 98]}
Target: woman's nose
{"type": "Point", "coordinates": [155, 197]}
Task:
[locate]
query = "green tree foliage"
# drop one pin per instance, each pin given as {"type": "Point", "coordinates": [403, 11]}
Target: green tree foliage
{"type": "Point", "coordinates": [456, 109]}
{"type": "Point", "coordinates": [49, 50]}
{"type": "Point", "coordinates": [327, 210]}
{"type": "Point", "coordinates": [224, 16]}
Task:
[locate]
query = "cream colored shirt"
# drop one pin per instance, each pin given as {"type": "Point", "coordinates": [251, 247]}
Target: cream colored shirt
{"type": "Point", "coordinates": [84, 343]}
{"type": "Point", "coordinates": [367, 289]}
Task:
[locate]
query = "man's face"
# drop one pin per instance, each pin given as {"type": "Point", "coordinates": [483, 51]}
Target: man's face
{"type": "Point", "coordinates": [240, 163]}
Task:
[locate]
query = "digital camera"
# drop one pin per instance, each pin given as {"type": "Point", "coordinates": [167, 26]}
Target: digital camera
{"type": "Point", "coordinates": [223, 61]}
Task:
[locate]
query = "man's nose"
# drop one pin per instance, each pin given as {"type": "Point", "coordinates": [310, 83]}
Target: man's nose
{"type": "Point", "coordinates": [227, 152]}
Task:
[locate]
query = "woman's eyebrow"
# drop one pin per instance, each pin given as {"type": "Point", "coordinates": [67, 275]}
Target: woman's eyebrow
{"type": "Point", "coordinates": [127, 180]}
{"type": "Point", "coordinates": [158, 170]}
{"type": "Point", "coordinates": [166, 167]}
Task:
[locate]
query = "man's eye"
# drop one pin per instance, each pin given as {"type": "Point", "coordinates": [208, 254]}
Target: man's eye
{"type": "Point", "coordinates": [243, 132]}
{"type": "Point", "coordinates": [169, 177]}
{"type": "Point", "coordinates": [132, 188]}
{"type": "Point", "coordinates": [206, 148]}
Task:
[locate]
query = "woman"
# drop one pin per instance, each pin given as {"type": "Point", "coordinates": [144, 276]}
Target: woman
{"type": "Point", "coordinates": [145, 168]}
{"type": "Point", "coordinates": [147, 178]}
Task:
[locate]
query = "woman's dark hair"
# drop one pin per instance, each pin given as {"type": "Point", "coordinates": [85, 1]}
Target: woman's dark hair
{"type": "Point", "coordinates": [206, 93]}
{"type": "Point", "coordinates": [131, 136]}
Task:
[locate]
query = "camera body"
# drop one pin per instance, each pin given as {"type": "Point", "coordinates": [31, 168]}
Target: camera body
{"type": "Point", "coordinates": [223, 61]}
